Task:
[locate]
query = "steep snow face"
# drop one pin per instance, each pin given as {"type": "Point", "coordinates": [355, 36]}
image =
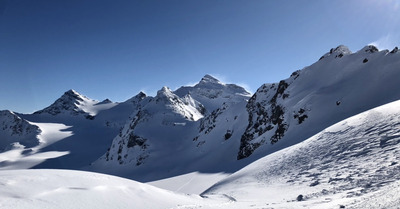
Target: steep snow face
{"type": "Point", "coordinates": [77, 189]}
{"type": "Point", "coordinates": [15, 131]}
{"type": "Point", "coordinates": [186, 107]}
{"type": "Point", "coordinates": [330, 90]}
{"type": "Point", "coordinates": [346, 164]}
{"type": "Point", "coordinates": [169, 133]}
{"type": "Point", "coordinates": [212, 93]}
{"type": "Point", "coordinates": [76, 140]}
{"type": "Point", "coordinates": [118, 115]}
{"type": "Point", "coordinates": [73, 103]}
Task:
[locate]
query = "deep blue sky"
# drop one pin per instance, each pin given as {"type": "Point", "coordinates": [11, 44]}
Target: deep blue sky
{"type": "Point", "coordinates": [114, 49]}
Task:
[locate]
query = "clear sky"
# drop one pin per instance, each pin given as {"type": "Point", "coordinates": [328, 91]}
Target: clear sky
{"type": "Point", "coordinates": [114, 49]}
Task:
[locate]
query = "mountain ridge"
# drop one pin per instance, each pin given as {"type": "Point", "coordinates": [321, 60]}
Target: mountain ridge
{"type": "Point", "coordinates": [216, 127]}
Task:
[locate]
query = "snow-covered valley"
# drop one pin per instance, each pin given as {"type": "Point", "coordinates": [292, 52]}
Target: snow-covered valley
{"type": "Point", "coordinates": [352, 164]}
{"type": "Point", "coordinates": [326, 137]}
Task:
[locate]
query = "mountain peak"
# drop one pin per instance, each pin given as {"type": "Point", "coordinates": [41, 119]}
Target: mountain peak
{"type": "Point", "coordinates": [369, 49]}
{"type": "Point", "coordinates": [141, 95]}
{"type": "Point", "coordinates": [73, 95]}
{"type": "Point", "coordinates": [164, 90]}
{"type": "Point", "coordinates": [71, 101]}
{"type": "Point", "coordinates": [209, 79]}
{"type": "Point", "coordinates": [339, 51]}
{"type": "Point", "coordinates": [72, 91]}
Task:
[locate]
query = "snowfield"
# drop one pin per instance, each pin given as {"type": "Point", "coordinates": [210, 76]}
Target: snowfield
{"type": "Point", "coordinates": [78, 189]}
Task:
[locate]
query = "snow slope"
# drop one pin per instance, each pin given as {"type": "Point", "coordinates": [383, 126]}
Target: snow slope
{"type": "Point", "coordinates": [351, 164]}
{"type": "Point", "coordinates": [16, 132]}
{"type": "Point", "coordinates": [339, 85]}
{"type": "Point", "coordinates": [76, 189]}
{"type": "Point", "coordinates": [354, 163]}
{"type": "Point", "coordinates": [191, 183]}
{"type": "Point", "coordinates": [75, 131]}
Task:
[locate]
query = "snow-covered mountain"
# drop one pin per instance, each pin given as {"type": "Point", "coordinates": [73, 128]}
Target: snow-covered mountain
{"type": "Point", "coordinates": [164, 132]}
{"type": "Point", "coordinates": [341, 84]}
{"type": "Point", "coordinates": [15, 131]}
{"type": "Point", "coordinates": [73, 103]}
{"type": "Point", "coordinates": [212, 93]}
{"type": "Point", "coordinates": [76, 129]}
{"type": "Point", "coordinates": [210, 127]}
{"type": "Point", "coordinates": [351, 164]}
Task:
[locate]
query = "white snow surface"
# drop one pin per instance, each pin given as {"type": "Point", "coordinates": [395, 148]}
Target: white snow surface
{"type": "Point", "coordinates": [351, 164]}
{"type": "Point", "coordinates": [191, 183]}
{"type": "Point", "coordinates": [77, 189]}
{"type": "Point", "coordinates": [22, 157]}
{"type": "Point", "coordinates": [354, 163]}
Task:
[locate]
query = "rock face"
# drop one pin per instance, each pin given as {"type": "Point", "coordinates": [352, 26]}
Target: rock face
{"type": "Point", "coordinates": [16, 131]}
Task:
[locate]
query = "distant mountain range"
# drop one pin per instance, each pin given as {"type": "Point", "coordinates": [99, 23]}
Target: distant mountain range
{"type": "Point", "coordinates": [209, 127]}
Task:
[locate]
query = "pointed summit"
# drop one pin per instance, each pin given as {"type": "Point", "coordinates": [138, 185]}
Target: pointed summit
{"type": "Point", "coordinates": [209, 79]}
{"type": "Point", "coordinates": [164, 91]}
{"type": "Point", "coordinates": [73, 94]}
{"type": "Point", "coordinates": [70, 102]}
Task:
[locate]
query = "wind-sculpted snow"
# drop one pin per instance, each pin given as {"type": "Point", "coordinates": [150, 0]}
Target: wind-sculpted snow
{"type": "Point", "coordinates": [342, 165]}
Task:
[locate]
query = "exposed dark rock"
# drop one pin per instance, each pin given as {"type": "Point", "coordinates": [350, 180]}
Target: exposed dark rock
{"type": "Point", "coordinates": [228, 134]}
{"type": "Point", "coordinates": [395, 50]}
{"type": "Point", "coordinates": [264, 116]}
{"type": "Point", "coordinates": [300, 198]}
{"type": "Point", "coordinates": [371, 49]}
{"type": "Point", "coordinates": [135, 140]}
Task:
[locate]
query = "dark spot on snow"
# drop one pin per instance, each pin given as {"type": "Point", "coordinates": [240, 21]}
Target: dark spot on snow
{"type": "Point", "coordinates": [315, 183]}
{"type": "Point", "coordinates": [300, 198]}
{"type": "Point", "coordinates": [338, 103]}
{"type": "Point", "coordinates": [228, 134]}
{"type": "Point", "coordinates": [365, 60]}
{"type": "Point", "coordinates": [90, 117]}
